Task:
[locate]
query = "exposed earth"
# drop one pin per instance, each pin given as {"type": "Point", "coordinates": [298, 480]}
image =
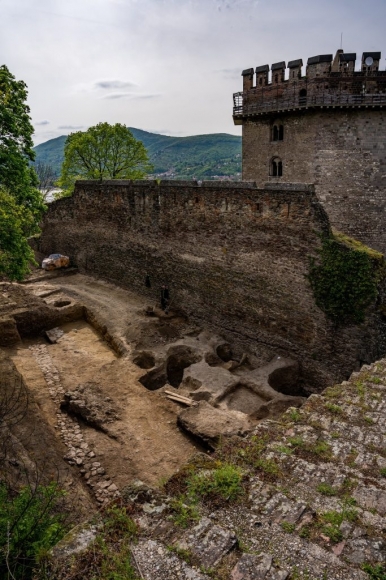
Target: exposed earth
{"type": "Point", "coordinates": [105, 370]}
{"type": "Point", "coordinates": [97, 360]}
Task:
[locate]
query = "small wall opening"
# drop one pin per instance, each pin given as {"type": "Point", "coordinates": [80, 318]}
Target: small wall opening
{"type": "Point", "coordinates": [303, 97]}
{"type": "Point", "coordinates": [276, 167]}
{"type": "Point", "coordinates": [277, 132]}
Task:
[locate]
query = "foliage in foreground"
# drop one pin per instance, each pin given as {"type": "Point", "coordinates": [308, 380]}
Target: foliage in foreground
{"type": "Point", "coordinates": [375, 572]}
{"type": "Point", "coordinates": [15, 223]}
{"type": "Point", "coordinates": [107, 558]}
{"type": "Point", "coordinates": [31, 522]}
{"type": "Point", "coordinates": [21, 203]}
{"type": "Point", "coordinates": [102, 152]}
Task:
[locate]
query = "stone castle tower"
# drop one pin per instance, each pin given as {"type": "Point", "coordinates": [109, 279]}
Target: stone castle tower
{"type": "Point", "coordinates": [327, 128]}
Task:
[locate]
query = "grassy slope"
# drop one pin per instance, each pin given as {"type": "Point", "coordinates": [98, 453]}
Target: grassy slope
{"type": "Point", "coordinates": [200, 156]}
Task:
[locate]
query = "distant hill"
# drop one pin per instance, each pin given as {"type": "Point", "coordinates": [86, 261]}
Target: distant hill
{"type": "Point", "coordinates": [213, 156]}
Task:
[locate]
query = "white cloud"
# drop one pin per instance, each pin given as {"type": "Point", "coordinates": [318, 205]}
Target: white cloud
{"type": "Point", "coordinates": [113, 84]}
{"type": "Point", "coordinates": [165, 63]}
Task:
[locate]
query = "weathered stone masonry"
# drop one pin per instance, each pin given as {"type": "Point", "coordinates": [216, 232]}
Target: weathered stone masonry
{"type": "Point", "coordinates": [328, 128]}
{"type": "Point", "coordinates": [235, 258]}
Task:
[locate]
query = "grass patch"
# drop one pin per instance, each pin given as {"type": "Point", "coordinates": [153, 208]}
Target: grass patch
{"type": "Point", "coordinates": [296, 441]}
{"type": "Point", "coordinates": [224, 482]}
{"type": "Point", "coordinates": [326, 489]}
{"type": "Point", "coordinates": [375, 380]}
{"type": "Point", "coordinates": [351, 457]}
{"type": "Point", "coordinates": [333, 392]}
{"type": "Point", "coordinates": [243, 453]}
{"type": "Point", "coordinates": [294, 415]}
{"type": "Point", "coordinates": [269, 467]}
{"type": "Point", "coordinates": [335, 409]}
{"type": "Point", "coordinates": [375, 571]}
{"type": "Point", "coordinates": [288, 527]}
{"type": "Point", "coordinates": [185, 511]}
{"type": "Point", "coordinates": [284, 449]}
{"type": "Point", "coordinates": [108, 557]}
{"type": "Point", "coordinates": [181, 553]}
{"type": "Point", "coordinates": [305, 532]}
{"type": "Point", "coordinates": [322, 449]}
{"type": "Point", "coordinates": [383, 472]}
{"type": "Point", "coordinates": [331, 521]}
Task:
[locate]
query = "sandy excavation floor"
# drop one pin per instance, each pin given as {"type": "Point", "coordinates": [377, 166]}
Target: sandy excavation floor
{"type": "Point", "coordinates": [144, 442]}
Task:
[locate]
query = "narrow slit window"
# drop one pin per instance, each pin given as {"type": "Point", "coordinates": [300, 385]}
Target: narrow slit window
{"type": "Point", "coordinates": [277, 132]}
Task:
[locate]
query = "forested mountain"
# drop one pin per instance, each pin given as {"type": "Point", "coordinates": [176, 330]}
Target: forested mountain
{"type": "Point", "coordinates": [212, 156]}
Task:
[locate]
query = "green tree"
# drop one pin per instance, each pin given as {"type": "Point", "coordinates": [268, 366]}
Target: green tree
{"type": "Point", "coordinates": [16, 147]}
{"type": "Point", "coordinates": [103, 152]}
{"type": "Point", "coordinates": [21, 204]}
{"type": "Point", "coordinates": [16, 221]}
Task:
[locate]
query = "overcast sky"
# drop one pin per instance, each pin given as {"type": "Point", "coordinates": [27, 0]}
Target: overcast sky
{"type": "Point", "coordinates": [167, 66]}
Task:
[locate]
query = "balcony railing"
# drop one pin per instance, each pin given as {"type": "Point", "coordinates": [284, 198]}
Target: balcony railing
{"type": "Point", "coordinates": [258, 103]}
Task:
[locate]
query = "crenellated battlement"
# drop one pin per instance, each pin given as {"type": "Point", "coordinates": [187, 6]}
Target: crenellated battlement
{"type": "Point", "coordinates": [328, 82]}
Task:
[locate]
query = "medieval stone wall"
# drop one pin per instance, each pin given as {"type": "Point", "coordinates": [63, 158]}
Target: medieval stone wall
{"type": "Point", "coordinates": [235, 257]}
{"type": "Point", "coordinates": [343, 152]}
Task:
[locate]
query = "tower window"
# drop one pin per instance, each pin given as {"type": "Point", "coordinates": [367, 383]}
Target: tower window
{"type": "Point", "coordinates": [277, 132]}
{"type": "Point", "coordinates": [303, 97]}
{"type": "Point", "coordinates": [276, 167]}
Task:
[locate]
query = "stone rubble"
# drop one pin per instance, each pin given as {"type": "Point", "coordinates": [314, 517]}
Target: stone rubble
{"type": "Point", "coordinates": [78, 452]}
{"type": "Point", "coordinates": [330, 459]}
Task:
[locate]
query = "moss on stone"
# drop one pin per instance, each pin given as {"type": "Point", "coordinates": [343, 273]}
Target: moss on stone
{"type": "Point", "coordinates": [345, 278]}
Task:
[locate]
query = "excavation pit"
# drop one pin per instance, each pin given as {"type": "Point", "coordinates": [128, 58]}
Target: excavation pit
{"type": "Point", "coordinates": [243, 399]}
{"type": "Point", "coordinates": [62, 303]}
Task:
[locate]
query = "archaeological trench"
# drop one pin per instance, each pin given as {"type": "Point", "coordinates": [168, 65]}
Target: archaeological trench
{"type": "Point", "coordinates": [123, 396]}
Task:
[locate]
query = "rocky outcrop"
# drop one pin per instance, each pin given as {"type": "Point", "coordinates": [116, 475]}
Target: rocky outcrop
{"type": "Point", "coordinates": [312, 501]}
{"type": "Point", "coordinates": [210, 424]}
{"type": "Point", "coordinates": [89, 404]}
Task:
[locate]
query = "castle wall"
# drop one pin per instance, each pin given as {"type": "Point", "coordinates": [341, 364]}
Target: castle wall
{"type": "Point", "coordinates": [235, 258]}
{"type": "Point", "coordinates": [343, 152]}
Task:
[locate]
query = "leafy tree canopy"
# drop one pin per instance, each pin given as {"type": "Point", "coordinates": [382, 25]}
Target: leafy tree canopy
{"type": "Point", "coordinates": [103, 152]}
{"type": "Point", "coordinates": [16, 153]}
{"type": "Point", "coordinates": [21, 204]}
{"type": "Point", "coordinates": [15, 223]}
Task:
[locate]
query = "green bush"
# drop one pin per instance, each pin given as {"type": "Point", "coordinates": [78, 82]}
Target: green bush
{"type": "Point", "coordinates": [224, 481]}
{"type": "Point", "coordinates": [109, 557]}
{"type": "Point", "coordinates": [376, 572]}
{"type": "Point", "coordinates": [184, 511]}
{"type": "Point", "coordinates": [30, 524]}
{"type": "Point", "coordinates": [326, 489]}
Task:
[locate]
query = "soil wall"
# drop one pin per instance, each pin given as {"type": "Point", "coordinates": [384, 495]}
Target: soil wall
{"type": "Point", "coordinates": [235, 258]}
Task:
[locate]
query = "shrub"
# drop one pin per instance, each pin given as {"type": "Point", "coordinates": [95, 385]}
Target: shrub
{"type": "Point", "coordinates": [376, 572]}
{"type": "Point", "coordinates": [30, 524]}
{"type": "Point", "coordinates": [326, 489]}
{"type": "Point", "coordinates": [224, 481]}
{"type": "Point", "coordinates": [184, 511]}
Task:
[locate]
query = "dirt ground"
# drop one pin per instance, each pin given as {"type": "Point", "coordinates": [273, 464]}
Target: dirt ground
{"type": "Point", "coordinates": [144, 443]}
